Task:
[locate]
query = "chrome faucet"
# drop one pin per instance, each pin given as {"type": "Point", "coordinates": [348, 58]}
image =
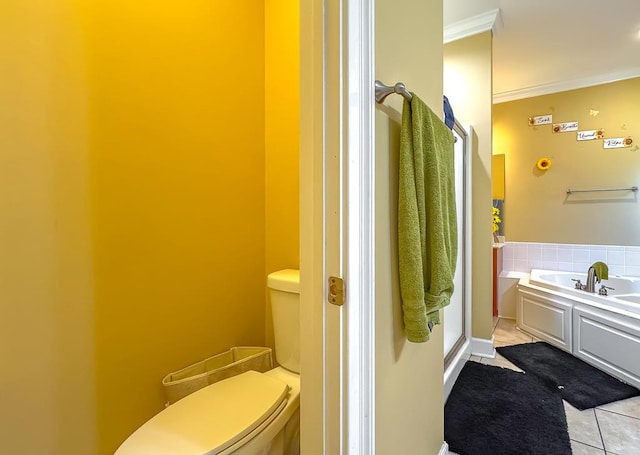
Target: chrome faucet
{"type": "Point", "coordinates": [593, 275]}
{"type": "Point", "coordinates": [591, 280]}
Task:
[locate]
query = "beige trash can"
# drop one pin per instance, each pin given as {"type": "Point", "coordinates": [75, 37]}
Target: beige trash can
{"type": "Point", "coordinates": [230, 363]}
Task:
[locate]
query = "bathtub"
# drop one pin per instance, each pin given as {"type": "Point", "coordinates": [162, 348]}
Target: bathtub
{"type": "Point", "coordinates": [625, 294]}
{"type": "Point", "coordinates": [601, 330]}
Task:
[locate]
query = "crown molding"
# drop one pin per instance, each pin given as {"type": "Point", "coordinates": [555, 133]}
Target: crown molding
{"type": "Point", "coordinates": [491, 20]}
{"type": "Point", "coordinates": [563, 86]}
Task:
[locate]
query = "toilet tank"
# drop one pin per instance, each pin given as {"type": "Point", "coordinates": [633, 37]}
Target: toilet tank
{"type": "Point", "coordinates": [284, 289]}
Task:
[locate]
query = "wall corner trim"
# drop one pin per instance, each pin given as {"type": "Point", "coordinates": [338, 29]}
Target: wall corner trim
{"type": "Point", "coordinates": [482, 347]}
{"type": "Point", "coordinates": [490, 20]}
{"type": "Point", "coordinates": [444, 450]}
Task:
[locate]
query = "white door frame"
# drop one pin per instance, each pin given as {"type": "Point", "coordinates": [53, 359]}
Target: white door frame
{"type": "Point", "coordinates": [337, 226]}
{"type": "Point", "coordinates": [359, 162]}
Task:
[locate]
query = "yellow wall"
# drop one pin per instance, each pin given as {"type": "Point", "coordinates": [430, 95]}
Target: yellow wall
{"type": "Point", "coordinates": [133, 208]}
{"type": "Point", "coordinates": [537, 208]}
{"type": "Point", "coordinates": [409, 376]}
{"type": "Point", "coordinates": [468, 85]}
{"type": "Point", "coordinates": [177, 175]}
{"type": "Point", "coordinates": [282, 125]}
{"type": "Point", "coordinates": [47, 375]}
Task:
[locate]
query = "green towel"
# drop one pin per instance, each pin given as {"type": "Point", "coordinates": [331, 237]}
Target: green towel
{"type": "Point", "coordinates": [427, 227]}
{"type": "Point", "coordinates": [602, 271]}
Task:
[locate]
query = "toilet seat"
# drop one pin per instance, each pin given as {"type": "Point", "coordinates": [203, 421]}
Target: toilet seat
{"type": "Point", "coordinates": [213, 420]}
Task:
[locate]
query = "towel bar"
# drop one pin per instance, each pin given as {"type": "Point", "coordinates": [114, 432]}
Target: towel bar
{"type": "Point", "coordinates": [633, 188]}
{"type": "Point", "coordinates": [382, 91]}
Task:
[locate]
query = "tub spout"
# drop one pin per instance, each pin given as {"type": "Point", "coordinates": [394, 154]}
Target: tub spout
{"type": "Point", "coordinates": [597, 272]}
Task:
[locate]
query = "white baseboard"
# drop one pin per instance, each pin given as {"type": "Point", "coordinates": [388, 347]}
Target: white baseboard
{"type": "Point", "coordinates": [482, 347]}
{"type": "Point", "coordinates": [452, 372]}
{"type": "Point", "coordinates": [444, 450]}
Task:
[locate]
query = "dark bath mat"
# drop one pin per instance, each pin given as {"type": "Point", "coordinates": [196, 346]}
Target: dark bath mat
{"type": "Point", "coordinates": [498, 411]}
{"type": "Point", "coordinates": [579, 383]}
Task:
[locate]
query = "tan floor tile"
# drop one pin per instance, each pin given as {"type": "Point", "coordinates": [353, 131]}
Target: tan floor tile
{"type": "Point", "coordinates": [511, 340]}
{"type": "Point", "coordinates": [506, 323]}
{"type": "Point", "coordinates": [506, 332]}
{"type": "Point", "coordinates": [501, 362]}
{"type": "Point", "coordinates": [582, 449]}
{"type": "Point", "coordinates": [583, 426]}
{"type": "Point", "coordinates": [500, 344]}
{"type": "Point", "coordinates": [475, 358]}
{"type": "Point", "coordinates": [509, 325]}
{"type": "Point", "coordinates": [621, 434]}
{"type": "Point", "coordinates": [508, 341]}
{"type": "Point", "coordinates": [629, 407]}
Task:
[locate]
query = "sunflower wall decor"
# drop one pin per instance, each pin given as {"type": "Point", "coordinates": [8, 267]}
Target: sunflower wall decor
{"type": "Point", "coordinates": [543, 164]}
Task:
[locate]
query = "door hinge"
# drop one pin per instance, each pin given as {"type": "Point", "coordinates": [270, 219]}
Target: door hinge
{"type": "Point", "coordinates": [336, 291]}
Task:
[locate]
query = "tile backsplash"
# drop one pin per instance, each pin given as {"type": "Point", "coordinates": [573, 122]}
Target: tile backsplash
{"type": "Point", "coordinates": [523, 256]}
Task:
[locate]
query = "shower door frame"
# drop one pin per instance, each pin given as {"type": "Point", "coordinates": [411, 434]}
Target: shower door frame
{"type": "Point", "coordinates": [460, 351]}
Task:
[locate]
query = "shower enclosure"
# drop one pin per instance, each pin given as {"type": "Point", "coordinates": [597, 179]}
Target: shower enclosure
{"type": "Point", "coordinates": [457, 315]}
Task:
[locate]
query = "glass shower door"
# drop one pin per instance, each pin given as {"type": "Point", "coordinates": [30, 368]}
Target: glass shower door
{"type": "Point", "coordinates": [455, 312]}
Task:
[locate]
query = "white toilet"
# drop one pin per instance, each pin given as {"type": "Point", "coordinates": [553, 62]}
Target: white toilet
{"type": "Point", "coordinates": [249, 414]}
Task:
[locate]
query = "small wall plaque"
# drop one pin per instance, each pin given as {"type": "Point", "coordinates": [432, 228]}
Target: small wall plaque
{"type": "Point", "coordinates": [564, 127]}
{"type": "Point", "coordinates": [590, 135]}
{"type": "Point", "coordinates": [617, 142]}
{"type": "Point", "coordinates": [541, 120]}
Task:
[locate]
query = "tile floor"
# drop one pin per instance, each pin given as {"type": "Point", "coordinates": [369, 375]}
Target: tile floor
{"type": "Point", "coordinates": [612, 429]}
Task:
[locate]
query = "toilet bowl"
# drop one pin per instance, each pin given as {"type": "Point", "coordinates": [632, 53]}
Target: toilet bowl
{"type": "Point", "coordinates": [248, 414]}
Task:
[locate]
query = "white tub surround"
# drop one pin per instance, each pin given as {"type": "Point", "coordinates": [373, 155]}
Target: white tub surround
{"type": "Point", "coordinates": [525, 256]}
{"type": "Point", "coordinates": [519, 258]}
{"type": "Point", "coordinates": [601, 330]}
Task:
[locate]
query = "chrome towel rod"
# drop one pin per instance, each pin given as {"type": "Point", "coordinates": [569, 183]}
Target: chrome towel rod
{"type": "Point", "coordinates": [382, 91]}
{"type": "Point", "coordinates": [633, 188]}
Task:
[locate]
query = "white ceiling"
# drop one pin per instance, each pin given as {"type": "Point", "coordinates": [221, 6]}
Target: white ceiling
{"type": "Point", "coordinates": [545, 46]}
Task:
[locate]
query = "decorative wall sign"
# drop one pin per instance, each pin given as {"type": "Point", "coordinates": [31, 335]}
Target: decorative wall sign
{"type": "Point", "coordinates": [590, 135]}
{"type": "Point", "coordinates": [564, 127]}
{"type": "Point", "coordinates": [617, 142]}
{"type": "Point", "coordinates": [541, 120]}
